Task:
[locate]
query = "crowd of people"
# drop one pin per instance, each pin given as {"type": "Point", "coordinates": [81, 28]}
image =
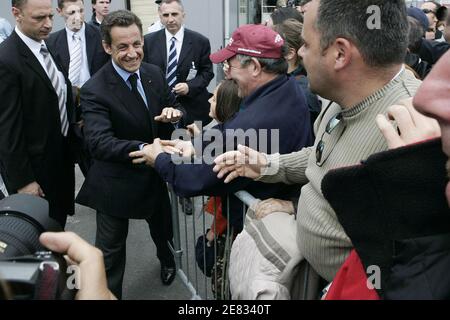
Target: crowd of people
{"type": "Point", "coordinates": [353, 165]}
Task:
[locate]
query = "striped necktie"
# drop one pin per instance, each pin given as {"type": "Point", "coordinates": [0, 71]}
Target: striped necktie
{"type": "Point", "coordinates": [172, 65]}
{"type": "Point", "coordinates": [53, 75]}
{"type": "Point", "coordinates": [75, 61]}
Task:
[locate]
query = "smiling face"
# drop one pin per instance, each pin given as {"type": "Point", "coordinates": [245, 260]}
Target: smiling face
{"type": "Point", "coordinates": [73, 14]}
{"type": "Point", "coordinates": [35, 19]}
{"type": "Point", "coordinates": [126, 48]}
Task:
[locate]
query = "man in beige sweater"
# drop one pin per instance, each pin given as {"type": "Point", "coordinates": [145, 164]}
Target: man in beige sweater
{"type": "Point", "coordinates": [353, 53]}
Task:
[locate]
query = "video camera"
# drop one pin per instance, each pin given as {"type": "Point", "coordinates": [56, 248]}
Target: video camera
{"type": "Point", "coordinates": [29, 270]}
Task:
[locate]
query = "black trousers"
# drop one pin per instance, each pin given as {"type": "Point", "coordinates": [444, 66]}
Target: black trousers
{"type": "Point", "coordinates": [111, 239]}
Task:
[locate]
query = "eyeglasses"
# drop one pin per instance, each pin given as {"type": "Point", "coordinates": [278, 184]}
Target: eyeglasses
{"type": "Point", "coordinates": [331, 125]}
{"type": "Point", "coordinates": [227, 65]}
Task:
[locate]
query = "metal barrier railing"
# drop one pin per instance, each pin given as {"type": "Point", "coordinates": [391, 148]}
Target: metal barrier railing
{"type": "Point", "coordinates": [216, 286]}
{"type": "Point", "coordinates": [186, 230]}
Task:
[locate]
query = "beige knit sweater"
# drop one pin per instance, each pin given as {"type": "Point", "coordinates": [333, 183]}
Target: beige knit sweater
{"type": "Point", "coordinates": [320, 237]}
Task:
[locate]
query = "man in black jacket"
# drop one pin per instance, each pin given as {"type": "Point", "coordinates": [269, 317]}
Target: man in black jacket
{"type": "Point", "coordinates": [79, 61]}
{"type": "Point", "coordinates": [125, 106]}
{"type": "Point", "coordinates": [36, 113]}
{"type": "Point", "coordinates": [189, 70]}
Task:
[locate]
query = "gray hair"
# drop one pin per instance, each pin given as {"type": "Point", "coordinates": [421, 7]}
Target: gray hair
{"type": "Point", "coordinates": [273, 66]}
{"type": "Point", "coordinates": [170, 1]}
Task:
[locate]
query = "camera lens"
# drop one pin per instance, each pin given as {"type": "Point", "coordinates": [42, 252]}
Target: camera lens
{"type": "Point", "coordinates": [18, 236]}
{"type": "Point", "coordinates": [22, 219]}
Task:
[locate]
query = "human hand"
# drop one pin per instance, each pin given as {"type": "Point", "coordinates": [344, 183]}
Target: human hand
{"type": "Point", "coordinates": [412, 126]}
{"type": "Point", "coordinates": [181, 147]}
{"type": "Point", "coordinates": [32, 188]}
{"type": "Point", "coordinates": [266, 207]}
{"type": "Point", "coordinates": [148, 154]}
{"type": "Point", "coordinates": [244, 162]}
{"type": "Point", "coordinates": [169, 115]}
{"type": "Point", "coordinates": [181, 89]}
{"type": "Point", "coordinates": [193, 130]}
{"type": "Point", "coordinates": [88, 258]}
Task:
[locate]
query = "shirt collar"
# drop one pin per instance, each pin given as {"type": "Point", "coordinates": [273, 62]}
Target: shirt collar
{"type": "Point", "coordinates": [179, 35]}
{"type": "Point", "coordinates": [123, 73]}
{"type": "Point", "coordinates": [35, 46]}
{"type": "Point", "coordinates": [70, 33]}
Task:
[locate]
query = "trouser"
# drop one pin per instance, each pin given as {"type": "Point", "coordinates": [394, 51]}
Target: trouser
{"type": "Point", "coordinates": [111, 239]}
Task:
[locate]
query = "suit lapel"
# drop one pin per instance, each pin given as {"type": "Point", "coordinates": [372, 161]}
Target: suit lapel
{"type": "Point", "coordinates": [162, 48]}
{"type": "Point", "coordinates": [63, 52]}
{"type": "Point", "coordinates": [125, 96]}
{"type": "Point", "coordinates": [152, 98]}
{"type": "Point", "coordinates": [185, 48]}
{"type": "Point", "coordinates": [32, 61]}
{"type": "Point", "coordinates": [90, 45]}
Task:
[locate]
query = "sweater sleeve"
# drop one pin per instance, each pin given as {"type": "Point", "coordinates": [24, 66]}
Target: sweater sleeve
{"type": "Point", "coordinates": [287, 168]}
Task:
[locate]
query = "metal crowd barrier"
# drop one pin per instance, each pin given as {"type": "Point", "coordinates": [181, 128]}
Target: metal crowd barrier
{"type": "Point", "coordinates": [188, 228]}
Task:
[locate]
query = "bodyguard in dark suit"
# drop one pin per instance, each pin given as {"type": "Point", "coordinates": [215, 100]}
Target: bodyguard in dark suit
{"type": "Point", "coordinates": [184, 56]}
{"type": "Point", "coordinates": [123, 108]}
{"type": "Point", "coordinates": [36, 113]}
{"type": "Point", "coordinates": [93, 57]}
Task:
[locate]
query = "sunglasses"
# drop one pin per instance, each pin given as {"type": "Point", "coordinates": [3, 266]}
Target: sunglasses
{"type": "Point", "coordinates": [331, 125]}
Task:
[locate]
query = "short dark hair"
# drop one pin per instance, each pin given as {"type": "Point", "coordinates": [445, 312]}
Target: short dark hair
{"type": "Point", "coordinates": [18, 3]}
{"type": "Point", "coordinates": [415, 36]}
{"type": "Point", "coordinates": [273, 66]}
{"type": "Point", "coordinates": [348, 19]}
{"type": "Point", "coordinates": [61, 2]}
{"type": "Point", "coordinates": [95, 1]}
{"type": "Point", "coordinates": [119, 18]}
{"type": "Point", "coordinates": [228, 101]}
{"type": "Point", "coordinates": [282, 14]}
{"type": "Point", "coordinates": [170, 1]}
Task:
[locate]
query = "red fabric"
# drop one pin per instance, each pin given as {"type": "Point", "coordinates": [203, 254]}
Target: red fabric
{"type": "Point", "coordinates": [350, 283]}
{"type": "Point", "coordinates": [214, 207]}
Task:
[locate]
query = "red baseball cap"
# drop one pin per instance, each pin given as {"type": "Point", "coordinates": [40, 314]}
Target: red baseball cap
{"type": "Point", "coordinates": [253, 40]}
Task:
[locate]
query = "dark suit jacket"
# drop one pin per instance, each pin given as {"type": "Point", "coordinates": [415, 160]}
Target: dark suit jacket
{"type": "Point", "coordinates": [96, 56]}
{"type": "Point", "coordinates": [195, 49]}
{"type": "Point", "coordinates": [32, 147]}
{"type": "Point", "coordinates": [115, 125]}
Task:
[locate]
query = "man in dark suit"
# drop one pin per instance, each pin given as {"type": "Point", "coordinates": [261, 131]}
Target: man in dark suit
{"type": "Point", "coordinates": [192, 70]}
{"type": "Point", "coordinates": [124, 108]}
{"type": "Point", "coordinates": [63, 44]}
{"type": "Point", "coordinates": [36, 113]}
{"type": "Point", "coordinates": [100, 9]}
{"type": "Point", "coordinates": [78, 49]}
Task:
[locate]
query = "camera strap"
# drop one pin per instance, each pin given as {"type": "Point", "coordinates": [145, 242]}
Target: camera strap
{"type": "Point", "coordinates": [47, 285]}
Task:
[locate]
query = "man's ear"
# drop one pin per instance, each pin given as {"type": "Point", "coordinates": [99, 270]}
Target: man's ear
{"type": "Point", "coordinates": [59, 11]}
{"type": "Point", "coordinates": [343, 52]}
{"type": "Point", "coordinates": [256, 67]}
{"type": "Point", "coordinates": [107, 47]}
{"type": "Point", "coordinates": [16, 12]}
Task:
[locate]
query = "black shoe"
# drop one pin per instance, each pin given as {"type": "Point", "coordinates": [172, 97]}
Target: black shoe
{"type": "Point", "coordinates": [187, 206]}
{"type": "Point", "coordinates": [167, 274]}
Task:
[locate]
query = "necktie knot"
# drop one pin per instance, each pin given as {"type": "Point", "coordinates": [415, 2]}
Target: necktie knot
{"type": "Point", "coordinates": [133, 80]}
{"type": "Point", "coordinates": [44, 50]}
{"type": "Point", "coordinates": [76, 37]}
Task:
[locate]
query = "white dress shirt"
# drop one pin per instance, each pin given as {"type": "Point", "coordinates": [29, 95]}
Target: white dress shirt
{"type": "Point", "coordinates": [178, 43]}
